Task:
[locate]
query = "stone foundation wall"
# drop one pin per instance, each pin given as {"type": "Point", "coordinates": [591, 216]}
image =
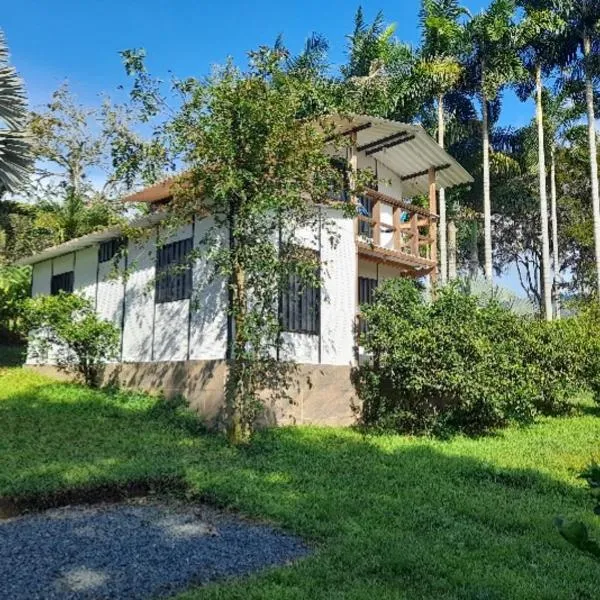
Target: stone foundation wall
{"type": "Point", "coordinates": [320, 394]}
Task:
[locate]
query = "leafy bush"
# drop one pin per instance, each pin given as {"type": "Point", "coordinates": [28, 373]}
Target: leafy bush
{"type": "Point", "coordinates": [68, 326]}
{"type": "Point", "coordinates": [14, 289]}
{"type": "Point", "coordinates": [464, 364]}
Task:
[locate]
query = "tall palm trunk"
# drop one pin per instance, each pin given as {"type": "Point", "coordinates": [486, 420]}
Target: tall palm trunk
{"type": "Point", "coordinates": [546, 277]}
{"type": "Point", "coordinates": [474, 250]}
{"type": "Point", "coordinates": [442, 201]}
{"type": "Point", "coordinates": [589, 97]}
{"type": "Point", "coordinates": [554, 221]}
{"type": "Point", "coordinates": [451, 250]}
{"type": "Point", "coordinates": [487, 204]}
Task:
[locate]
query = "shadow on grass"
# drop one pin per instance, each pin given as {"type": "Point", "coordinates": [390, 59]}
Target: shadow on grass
{"type": "Point", "coordinates": [392, 516]}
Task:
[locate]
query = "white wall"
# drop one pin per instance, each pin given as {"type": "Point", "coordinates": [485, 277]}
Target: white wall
{"type": "Point", "coordinates": [338, 295]}
{"type": "Point", "coordinates": [160, 332]}
{"type": "Point", "coordinates": [208, 327]}
{"type": "Point", "coordinates": [139, 300]}
{"type": "Point", "coordinates": [171, 319]}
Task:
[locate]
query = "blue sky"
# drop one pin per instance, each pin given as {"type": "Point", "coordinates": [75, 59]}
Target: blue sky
{"type": "Point", "coordinates": [79, 40]}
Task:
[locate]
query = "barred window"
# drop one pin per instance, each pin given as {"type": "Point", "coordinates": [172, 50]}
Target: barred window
{"type": "Point", "coordinates": [173, 272]}
{"type": "Point", "coordinates": [108, 249]}
{"type": "Point", "coordinates": [300, 305]}
{"type": "Point", "coordinates": [366, 290]}
{"type": "Point", "coordinates": [62, 283]}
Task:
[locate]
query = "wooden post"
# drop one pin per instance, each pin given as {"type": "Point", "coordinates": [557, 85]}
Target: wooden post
{"type": "Point", "coordinates": [396, 224]}
{"type": "Point", "coordinates": [414, 234]}
{"type": "Point", "coordinates": [376, 237]}
{"type": "Point", "coordinates": [353, 160]}
{"type": "Point", "coordinates": [433, 224]}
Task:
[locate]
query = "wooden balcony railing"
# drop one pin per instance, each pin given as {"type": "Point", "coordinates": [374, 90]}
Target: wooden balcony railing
{"type": "Point", "coordinates": [397, 230]}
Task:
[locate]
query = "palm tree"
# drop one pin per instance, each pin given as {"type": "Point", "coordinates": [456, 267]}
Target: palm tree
{"type": "Point", "coordinates": [441, 49]}
{"type": "Point", "coordinates": [493, 64]}
{"type": "Point", "coordinates": [539, 30]}
{"type": "Point", "coordinates": [15, 155]}
{"type": "Point", "coordinates": [581, 49]}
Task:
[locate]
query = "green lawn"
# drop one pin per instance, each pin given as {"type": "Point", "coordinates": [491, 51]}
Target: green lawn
{"type": "Point", "coordinates": [389, 517]}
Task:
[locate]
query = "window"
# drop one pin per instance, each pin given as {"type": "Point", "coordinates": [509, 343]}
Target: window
{"type": "Point", "coordinates": [365, 209]}
{"type": "Point", "coordinates": [62, 283]}
{"type": "Point", "coordinates": [366, 289]}
{"type": "Point", "coordinates": [173, 272]}
{"type": "Point", "coordinates": [108, 249]}
{"type": "Point", "coordinates": [300, 305]}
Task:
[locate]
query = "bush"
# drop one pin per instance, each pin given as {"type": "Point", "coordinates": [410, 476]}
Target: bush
{"type": "Point", "coordinates": [68, 326]}
{"type": "Point", "coordinates": [14, 290]}
{"type": "Point", "coordinates": [463, 364]}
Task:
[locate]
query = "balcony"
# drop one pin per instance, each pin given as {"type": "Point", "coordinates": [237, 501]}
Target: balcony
{"type": "Point", "coordinates": [398, 232]}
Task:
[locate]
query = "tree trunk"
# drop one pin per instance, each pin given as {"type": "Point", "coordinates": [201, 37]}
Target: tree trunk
{"type": "Point", "coordinates": [554, 221]}
{"type": "Point", "coordinates": [451, 250]}
{"type": "Point", "coordinates": [589, 97]}
{"type": "Point", "coordinates": [546, 276]}
{"type": "Point", "coordinates": [487, 204]}
{"type": "Point", "coordinates": [234, 390]}
{"type": "Point", "coordinates": [442, 201]}
{"type": "Point", "coordinates": [474, 251]}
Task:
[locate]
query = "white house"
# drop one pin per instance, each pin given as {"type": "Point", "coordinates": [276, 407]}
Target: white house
{"type": "Point", "coordinates": [175, 329]}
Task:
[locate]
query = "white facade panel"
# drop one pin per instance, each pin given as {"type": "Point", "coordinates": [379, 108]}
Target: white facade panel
{"type": "Point", "coordinates": [139, 301]}
{"type": "Point", "coordinates": [338, 293]}
{"type": "Point", "coordinates": [171, 330]}
{"type": "Point", "coordinates": [84, 281]}
{"type": "Point", "coordinates": [389, 182]}
{"type": "Point", "coordinates": [300, 347]}
{"type": "Point", "coordinates": [40, 278]}
{"type": "Point", "coordinates": [208, 327]}
{"type": "Point", "coordinates": [63, 264]}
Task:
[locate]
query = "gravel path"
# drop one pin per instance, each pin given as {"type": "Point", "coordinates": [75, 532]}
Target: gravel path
{"type": "Point", "coordinates": [131, 550]}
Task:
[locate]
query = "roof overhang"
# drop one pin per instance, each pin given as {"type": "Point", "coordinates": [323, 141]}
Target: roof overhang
{"type": "Point", "coordinates": [91, 239]}
{"type": "Point", "coordinates": [407, 150]}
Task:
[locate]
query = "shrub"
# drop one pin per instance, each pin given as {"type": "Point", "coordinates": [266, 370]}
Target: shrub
{"type": "Point", "coordinates": [14, 289]}
{"type": "Point", "coordinates": [462, 364]}
{"type": "Point", "coordinates": [68, 326]}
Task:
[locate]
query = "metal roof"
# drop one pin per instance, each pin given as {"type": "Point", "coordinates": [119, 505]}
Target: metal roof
{"type": "Point", "coordinates": [415, 155]}
{"type": "Point", "coordinates": [88, 240]}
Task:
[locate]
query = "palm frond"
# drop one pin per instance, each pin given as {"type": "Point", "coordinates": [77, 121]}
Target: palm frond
{"type": "Point", "coordinates": [15, 160]}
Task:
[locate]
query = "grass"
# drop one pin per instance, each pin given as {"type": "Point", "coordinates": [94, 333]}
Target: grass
{"type": "Point", "coordinates": [389, 517]}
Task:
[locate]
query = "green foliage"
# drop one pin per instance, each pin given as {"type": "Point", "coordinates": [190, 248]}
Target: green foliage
{"type": "Point", "coordinates": [389, 516]}
{"type": "Point", "coordinates": [252, 143]}
{"type": "Point", "coordinates": [468, 364]}
{"type": "Point", "coordinates": [68, 326]}
{"type": "Point", "coordinates": [14, 289]}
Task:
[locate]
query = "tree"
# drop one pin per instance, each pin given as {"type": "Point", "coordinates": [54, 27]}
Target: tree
{"type": "Point", "coordinates": [381, 76]}
{"type": "Point", "coordinates": [492, 65]}
{"type": "Point", "coordinates": [580, 52]}
{"type": "Point", "coordinates": [15, 161]}
{"type": "Point", "coordinates": [260, 172]}
{"type": "Point", "coordinates": [441, 48]}
{"type": "Point", "coordinates": [539, 34]}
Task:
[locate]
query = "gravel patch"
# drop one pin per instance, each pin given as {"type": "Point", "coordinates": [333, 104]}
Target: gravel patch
{"type": "Point", "coordinates": [137, 549]}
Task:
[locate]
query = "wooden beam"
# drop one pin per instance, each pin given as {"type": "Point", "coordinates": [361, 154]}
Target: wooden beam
{"type": "Point", "coordinates": [407, 138]}
{"type": "Point", "coordinates": [383, 140]}
{"type": "Point", "coordinates": [433, 224]}
{"type": "Point", "coordinates": [349, 131]}
{"type": "Point", "coordinates": [377, 223]}
{"type": "Point", "coordinates": [425, 172]}
{"type": "Point", "coordinates": [396, 223]}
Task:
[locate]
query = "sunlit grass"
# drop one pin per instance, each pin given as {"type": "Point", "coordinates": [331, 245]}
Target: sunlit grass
{"type": "Point", "coordinates": [389, 517]}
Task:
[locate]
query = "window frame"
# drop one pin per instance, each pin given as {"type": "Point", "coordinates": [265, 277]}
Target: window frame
{"type": "Point", "coordinates": [114, 245]}
{"type": "Point", "coordinates": [173, 285]}
{"type": "Point", "coordinates": [62, 282]}
{"type": "Point", "coordinates": [296, 317]}
{"type": "Point", "coordinates": [366, 287]}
